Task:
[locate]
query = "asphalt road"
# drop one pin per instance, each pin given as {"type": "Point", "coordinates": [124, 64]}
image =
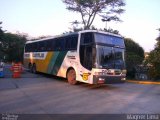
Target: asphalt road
{"type": "Point", "coordinates": [43, 94]}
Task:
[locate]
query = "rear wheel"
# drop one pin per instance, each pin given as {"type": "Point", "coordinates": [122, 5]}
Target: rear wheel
{"type": "Point", "coordinates": [71, 77]}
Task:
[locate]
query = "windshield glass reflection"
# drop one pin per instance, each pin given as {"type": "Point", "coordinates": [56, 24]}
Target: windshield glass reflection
{"type": "Point", "coordinates": [110, 57]}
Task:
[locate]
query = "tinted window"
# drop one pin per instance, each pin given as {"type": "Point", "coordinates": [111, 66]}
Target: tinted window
{"type": "Point", "coordinates": [118, 41]}
{"type": "Point", "coordinates": [55, 44]}
{"type": "Point", "coordinates": [71, 42]}
{"type": "Point", "coordinates": [109, 39]}
{"type": "Point", "coordinates": [110, 57]}
{"type": "Point", "coordinates": [35, 47]}
{"type": "Point", "coordinates": [86, 50]}
{"type": "Point", "coordinates": [105, 56]}
{"type": "Point", "coordinates": [86, 57]}
{"type": "Point", "coordinates": [102, 38]}
{"type": "Point", "coordinates": [68, 43]}
{"type": "Point", "coordinates": [74, 42]}
{"type": "Point", "coordinates": [27, 48]}
{"type": "Point", "coordinates": [49, 45]}
{"type": "Point", "coordinates": [42, 46]}
{"type": "Point", "coordinates": [86, 38]}
{"type": "Point", "coordinates": [59, 44]}
{"type": "Point", "coordinates": [119, 58]}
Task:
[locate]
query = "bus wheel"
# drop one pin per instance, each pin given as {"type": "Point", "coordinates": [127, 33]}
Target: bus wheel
{"type": "Point", "coordinates": [34, 70]}
{"type": "Point", "coordinates": [71, 77]}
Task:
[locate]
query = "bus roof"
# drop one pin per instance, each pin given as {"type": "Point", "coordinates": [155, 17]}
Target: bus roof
{"type": "Point", "coordinates": [74, 33]}
{"type": "Point", "coordinates": [98, 31]}
{"type": "Point", "coordinates": [52, 37]}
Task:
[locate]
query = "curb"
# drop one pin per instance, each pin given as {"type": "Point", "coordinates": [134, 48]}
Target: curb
{"type": "Point", "coordinates": [143, 82]}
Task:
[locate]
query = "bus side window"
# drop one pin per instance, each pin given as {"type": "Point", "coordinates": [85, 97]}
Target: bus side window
{"type": "Point", "coordinates": [86, 38]}
{"type": "Point", "coordinates": [41, 46]}
{"type": "Point", "coordinates": [71, 43]}
{"type": "Point", "coordinates": [68, 43]}
{"type": "Point", "coordinates": [27, 48]}
{"type": "Point", "coordinates": [62, 44]}
{"type": "Point", "coordinates": [86, 56]}
{"type": "Point", "coordinates": [30, 47]}
{"type": "Point", "coordinates": [49, 45]}
{"type": "Point", "coordinates": [53, 48]}
{"type": "Point", "coordinates": [74, 42]}
{"type": "Point", "coordinates": [59, 44]}
{"type": "Point", "coordinates": [86, 50]}
{"type": "Point", "coordinates": [34, 47]}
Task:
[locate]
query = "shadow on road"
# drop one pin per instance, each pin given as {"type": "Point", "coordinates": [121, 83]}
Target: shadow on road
{"type": "Point", "coordinates": [26, 74]}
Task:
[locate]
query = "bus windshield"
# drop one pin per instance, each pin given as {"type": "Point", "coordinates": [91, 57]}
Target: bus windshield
{"type": "Point", "coordinates": [109, 57]}
{"type": "Point", "coordinates": [109, 40]}
{"type": "Point", "coordinates": [109, 51]}
{"type": "Point", "coordinates": [104, 51]}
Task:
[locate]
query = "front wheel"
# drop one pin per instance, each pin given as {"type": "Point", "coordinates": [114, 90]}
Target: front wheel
{"type": "Point", "coordinates": [71, 77]}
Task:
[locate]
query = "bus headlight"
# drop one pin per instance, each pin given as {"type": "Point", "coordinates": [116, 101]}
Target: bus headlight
{"type": "Point", "coordinates": [124, 71]}
{"type": "Point", "coordinates": [123, 78]}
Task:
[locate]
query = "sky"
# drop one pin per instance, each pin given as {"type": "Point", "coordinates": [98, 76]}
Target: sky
{"type": "Point", "coordinates": [50, 17]}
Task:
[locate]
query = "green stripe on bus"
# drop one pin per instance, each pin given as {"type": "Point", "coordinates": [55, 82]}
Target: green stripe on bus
{"type": "Point", "coordinates": [52, 62]}
{"type": "Point", "coordinates": [58, 62]}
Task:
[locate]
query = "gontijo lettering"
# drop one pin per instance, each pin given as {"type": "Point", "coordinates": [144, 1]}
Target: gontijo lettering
{"type": "Point", "coordinates": [37, 55]}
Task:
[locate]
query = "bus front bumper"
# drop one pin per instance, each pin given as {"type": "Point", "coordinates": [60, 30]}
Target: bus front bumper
{"type": "Point", "coordinates": [108, 79]}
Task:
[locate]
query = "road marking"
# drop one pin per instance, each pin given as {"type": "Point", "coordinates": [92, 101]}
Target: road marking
{"type": "Point", "coordinates": [144, 82]}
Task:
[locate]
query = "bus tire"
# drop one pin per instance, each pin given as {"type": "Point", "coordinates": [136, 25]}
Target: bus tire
{"type": "Point", "coordinates": [34, 70]}
{"type": "Point", "coordinates": [71, 76]}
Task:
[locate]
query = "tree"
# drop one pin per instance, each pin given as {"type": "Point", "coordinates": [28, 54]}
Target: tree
{"type": "Point", "coordinates": [1, 38]}
{"type": "Point", "coordinates": [134, 56]}
{"type": "Point", "coordinates": [154, 61]}
{"type": "Point", "coordinates": [111, 31]}
{"type": "Point", "coordinates": [1, 31]}
{"type": "Point", "coordinates": [90, 8]}
{"type": "Point", "coordinates": [12, 46]}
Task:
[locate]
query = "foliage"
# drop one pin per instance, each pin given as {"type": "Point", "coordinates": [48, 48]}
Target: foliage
{"type": "Point", "coordinates": [1, 37]}
{"type": "Point", "coordinates": [134, 56]}
{"type": "Point", "coordinates": [110, 30]}
{"type": "Point", "coordinates": [154, 61]}
{"type": "Point", "coordinates": [1, 31]}
{"type": "Point", "coordinates": [12, 47]}
{"type": "Point", "coordinates": [107, 9]}
{"type": "Point", "coordinates": [40, 37]}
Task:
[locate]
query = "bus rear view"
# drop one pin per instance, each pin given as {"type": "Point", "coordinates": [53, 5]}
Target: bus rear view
{"type": "Point", "coordinates": [103, 55]}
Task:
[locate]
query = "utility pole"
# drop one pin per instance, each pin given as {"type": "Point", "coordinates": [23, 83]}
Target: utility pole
{"type": "Point", "coordinates": [75, 24]}
{"type": "Point", "coordinates": [106, 20]}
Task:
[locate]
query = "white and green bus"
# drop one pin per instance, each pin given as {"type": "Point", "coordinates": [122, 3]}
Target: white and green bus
{"type": "Point", "coordinates": [88, 56]}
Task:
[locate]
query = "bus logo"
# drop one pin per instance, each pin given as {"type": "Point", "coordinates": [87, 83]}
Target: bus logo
{"type": "Point", "coordinates": [85, 76]}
